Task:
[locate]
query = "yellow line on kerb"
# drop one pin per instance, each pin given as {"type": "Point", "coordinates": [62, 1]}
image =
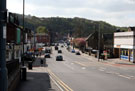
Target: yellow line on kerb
{"type": "Point", "coordinates": [61, 83]}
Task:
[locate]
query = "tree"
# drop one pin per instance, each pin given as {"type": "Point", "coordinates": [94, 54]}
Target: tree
{"type": "Point", "coordinates": [41, 29]}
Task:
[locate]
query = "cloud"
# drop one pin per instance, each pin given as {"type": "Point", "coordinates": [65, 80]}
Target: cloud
{"type": "Point", "coordinates": [116, 12]}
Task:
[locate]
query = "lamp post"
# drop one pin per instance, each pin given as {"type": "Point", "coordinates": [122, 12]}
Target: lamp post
{"type": "Point", "coordinates": [3, 69]}
{"type": "Point", "coordinates": [23, 31]}
{"type": "Point", "coordinates": [98, 42]}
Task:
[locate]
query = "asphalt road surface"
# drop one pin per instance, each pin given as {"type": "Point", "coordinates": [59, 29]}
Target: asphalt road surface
{"type": "Point", "coordinates": [82, 73]}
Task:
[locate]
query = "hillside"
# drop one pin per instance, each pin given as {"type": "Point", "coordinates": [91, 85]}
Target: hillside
{"type": "Point", "coordinates": [77, 27]}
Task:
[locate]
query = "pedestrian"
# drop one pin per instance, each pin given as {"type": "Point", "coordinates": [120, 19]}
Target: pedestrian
{"type": "Point", "coordinates": [41, 62]}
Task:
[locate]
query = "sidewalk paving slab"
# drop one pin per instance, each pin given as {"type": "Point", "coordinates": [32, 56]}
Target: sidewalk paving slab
{"type": "Point", "coordinates": [38, 79]}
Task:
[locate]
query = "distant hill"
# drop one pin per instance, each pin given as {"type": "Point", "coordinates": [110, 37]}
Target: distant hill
{"type": "Point", "coordinates": [77, 27]}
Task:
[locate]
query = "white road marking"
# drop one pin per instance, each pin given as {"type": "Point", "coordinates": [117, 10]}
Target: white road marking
{"type": "Point", "coordinates": [83, 68]}
{"type": "Point", "coordinates": [101, 70]}
{"type": "Point", "coordinates": [124, 76]}
{"type": "Point", "coordinates": [72, 63]}
{"type": "Point", "coordinates": [109, 72]}
{"type": "Point", "coordinates": [116, 73]}
{"type": "Point", "coordinates": [68, 66]}
{"type": "Point", "coordinates": [131, 76]}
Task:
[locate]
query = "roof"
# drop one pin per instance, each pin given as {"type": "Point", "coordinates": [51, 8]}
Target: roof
{"type": "Point", "coordinates": [89, 36]}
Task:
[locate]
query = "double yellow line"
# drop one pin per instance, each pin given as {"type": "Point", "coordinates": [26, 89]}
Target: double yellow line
{"type": "Point", "coordinates": [59, 82]}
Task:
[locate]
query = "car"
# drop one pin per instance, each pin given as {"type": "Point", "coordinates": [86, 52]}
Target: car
{"type": "Point", "coordinates": [47, 55]}
{"type": "Point", "coordinates": [59, 51]}
{"type": "Point", "coordinates": [56, 48]}
{"type": "Point", "coordinates": [62, 46]}
{"type": "Point", "coordinates": [47, 50]}
{"type": "Point", "coordinates": [59, 58]}
{"type": "Point", "coordinates": [78, 53]}
{"type": "Point", "coordinates": [73, 51]}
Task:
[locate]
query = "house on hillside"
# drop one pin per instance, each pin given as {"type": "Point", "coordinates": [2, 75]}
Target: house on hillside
{"type": "Point", "coordinates": [124, 44]}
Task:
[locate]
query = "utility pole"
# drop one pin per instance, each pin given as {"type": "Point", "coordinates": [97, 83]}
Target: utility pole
{"type": "Point", "coordinates": [23, 31]}
{"type": "Point", "coordinates": [3, 69]}
{"type": "Point", "coordinates": [98, 42]}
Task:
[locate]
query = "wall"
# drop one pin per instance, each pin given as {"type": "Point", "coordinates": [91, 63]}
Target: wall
{"type": "Point", "coordinates": [123, 38]}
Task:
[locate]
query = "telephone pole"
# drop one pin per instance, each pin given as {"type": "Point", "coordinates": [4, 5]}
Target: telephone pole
{"type": "Point", "coordinates": [3, 69]}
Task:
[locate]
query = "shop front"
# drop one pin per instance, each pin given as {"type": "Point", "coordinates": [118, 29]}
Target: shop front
{"type": "Point", "coordinates": [124, 54]}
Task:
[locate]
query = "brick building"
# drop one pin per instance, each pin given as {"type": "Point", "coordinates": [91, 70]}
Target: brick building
{"type": "Point", "coordinates": [42, 38]}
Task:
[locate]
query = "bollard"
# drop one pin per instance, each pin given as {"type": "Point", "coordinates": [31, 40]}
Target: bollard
{"type": "Point", "coordinates": [41, 61]}
{"type": "Point", "coordinates": [30, 65]}
{"type": "Point", "coordinates": [23, 73]}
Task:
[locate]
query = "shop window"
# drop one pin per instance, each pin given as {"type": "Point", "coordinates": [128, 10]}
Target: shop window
{"type": "Point", "coordinates": [124, 52]}
{"type": "Point", "coordinates": [7, 55]}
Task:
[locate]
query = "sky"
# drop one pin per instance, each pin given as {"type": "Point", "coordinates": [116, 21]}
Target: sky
{"type": "Point", "coordinates": [116, 12]}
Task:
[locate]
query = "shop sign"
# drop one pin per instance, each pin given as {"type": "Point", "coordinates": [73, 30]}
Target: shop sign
{"type": "Point", "coordinates": [118, 46]}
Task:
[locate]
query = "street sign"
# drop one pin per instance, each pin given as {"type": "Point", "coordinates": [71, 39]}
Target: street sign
{"type": "Point", "coordinates": [4, 32]}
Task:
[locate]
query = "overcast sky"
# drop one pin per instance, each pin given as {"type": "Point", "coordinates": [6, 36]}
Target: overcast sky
{"type": "Point", "coordinates": [115, 12]}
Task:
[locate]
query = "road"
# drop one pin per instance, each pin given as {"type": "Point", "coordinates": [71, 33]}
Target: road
{"type": "Point", "coordinates": [82, 73]}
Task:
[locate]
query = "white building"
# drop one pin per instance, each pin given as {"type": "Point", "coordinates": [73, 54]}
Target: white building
{"type": "Point", "coordinates": [124, 44]}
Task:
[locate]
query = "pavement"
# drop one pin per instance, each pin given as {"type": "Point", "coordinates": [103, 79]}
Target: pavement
{"type": "Point", "coordinates": [112, 61]}
{"type": "Point", "coordinates": [38, 79]}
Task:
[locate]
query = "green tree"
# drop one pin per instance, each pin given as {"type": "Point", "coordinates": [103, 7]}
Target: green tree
{"type": "Point", "coordinates": [41, 29]}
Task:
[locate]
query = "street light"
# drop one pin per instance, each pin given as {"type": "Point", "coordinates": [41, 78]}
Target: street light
{"type": "Point", "coordinates": [3, 69]}
{"type": "Point", "coordinates": [98, 42]}
{"type": "Point", "coordinates": [23, 31]}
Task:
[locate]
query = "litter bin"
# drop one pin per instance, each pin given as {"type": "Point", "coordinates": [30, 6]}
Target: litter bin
{"type": "Point", "coordinates": [30, 65]}
{"type": "Point", "coordinates": [23, 73]}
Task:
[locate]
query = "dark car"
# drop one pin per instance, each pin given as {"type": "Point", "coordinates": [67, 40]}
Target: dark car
{"type": "Point", "coordinates": [59, 58]}
{"type": "Point", "coordinates": [47, 55]}
{"type": "Point", "coordinates": [56, 48]}
{"type": "Point", "coordinates": [47, 50]}
{"type": "Point", "coordinates": [62, 46]}
{"type": "Point", "coordinates": [59, 51]}
{"type": "Point", "coordinates": [78, 53]}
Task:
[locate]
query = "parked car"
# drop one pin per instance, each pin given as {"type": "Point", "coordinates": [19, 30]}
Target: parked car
{"type": "Point", "coordinates": [59, 58]}
{"type": "Point", "coordinates": [78, 53]}
{"type": "Point", "coordinates": [59, 51]}
{"type": "Point", "coordinates": [73, 51]}
{"type": "Point", "coordinates": [47, 55]}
